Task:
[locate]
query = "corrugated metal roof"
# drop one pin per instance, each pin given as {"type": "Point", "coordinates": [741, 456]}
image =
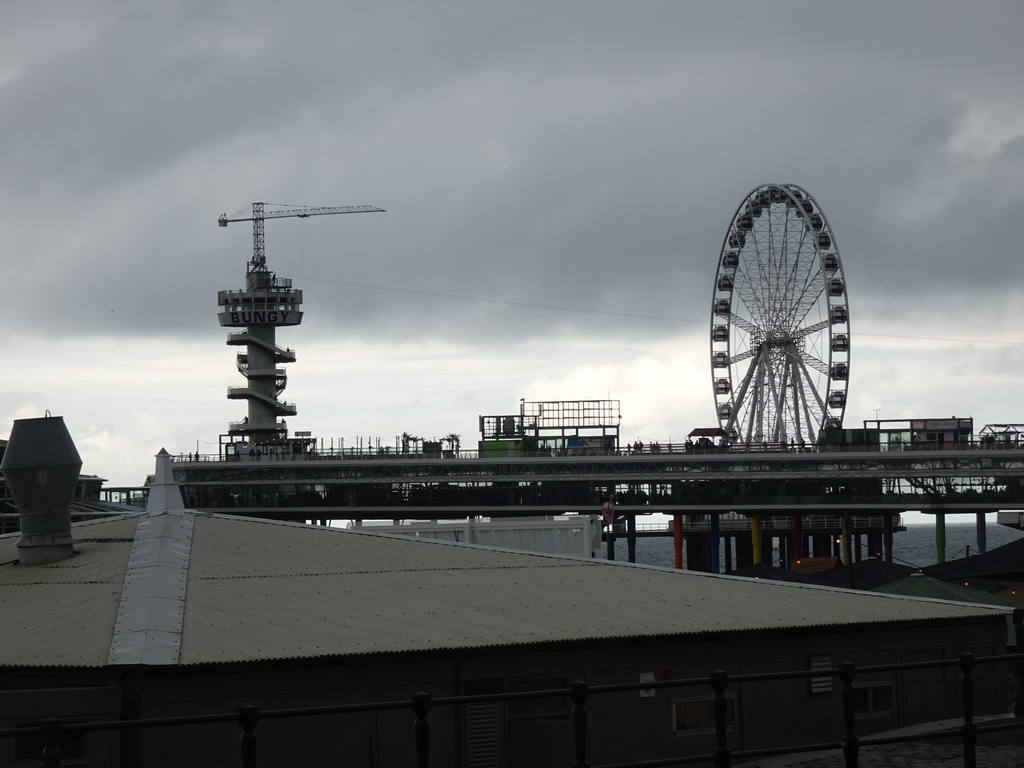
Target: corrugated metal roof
{"type": "Point", "coordinates": [63, 614]}
{"type": "Point", "coordinates": [261, 590]}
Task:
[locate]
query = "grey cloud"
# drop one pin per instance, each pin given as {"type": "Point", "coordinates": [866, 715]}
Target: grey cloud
{"type": "Point", "coordinates": [580, 155]}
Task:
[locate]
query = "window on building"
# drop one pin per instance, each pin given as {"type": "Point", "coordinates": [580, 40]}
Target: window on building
{"type": "Point", "coordinates": [872, 699]}
{"type": "Point", "coordinates": [28, 747]}
{"type": "Point", "coordinates": [697, 716]}
{"type": "Point", "coordinates": [538, 706]}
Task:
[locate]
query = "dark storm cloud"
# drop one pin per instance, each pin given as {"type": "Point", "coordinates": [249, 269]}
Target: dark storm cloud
{"type": "Point", "coordinates": [583, 155]}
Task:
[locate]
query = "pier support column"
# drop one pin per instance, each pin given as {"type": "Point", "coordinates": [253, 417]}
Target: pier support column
{"type": "Point", "coordinates": [887, 526]}
{"type": "Point", "coordinates": [755, 538]}
{"type": "Point", "coordinates": [697, 555]}
{"type": "Point", "coordinates": [677, 540]}
{"type": "Point", "coordinates": [715, 542]}
{"type": "Point", "coordinates": [940, 537]}
{"type": "Point", "coordinates": [982, 534]}
{"type": "Point", "coordinates": [797, 537]}
{"type": "Point", "coordinates": [847, 530]}
{"type": "Point", "coordinates": [631, 538]}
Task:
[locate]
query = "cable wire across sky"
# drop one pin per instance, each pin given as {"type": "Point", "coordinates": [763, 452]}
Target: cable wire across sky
{"type": "Point", "coordinates": [610, 313]}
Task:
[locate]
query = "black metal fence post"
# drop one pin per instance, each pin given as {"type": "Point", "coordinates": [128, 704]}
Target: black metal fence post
{"type": "Point", "coordinates": [51, 742]}
{"type": "Point", "coordinates": [969, 730]}
{"type": "Point", "coordinates": [1018, 636]}
{"type": "Point", "coordinates": [248, 715]}
{"type": "Point", "coordinates": [851, 743]}
{"type": "Point", "coordinates": [580, 691]}
{"type": "Point", "coordinates": [723, 755]}
{"type": "Point", "coordinates": [421, 706]}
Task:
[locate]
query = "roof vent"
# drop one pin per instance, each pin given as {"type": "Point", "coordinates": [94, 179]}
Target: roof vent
{"type": "Point", "coordinates": [41, 466]}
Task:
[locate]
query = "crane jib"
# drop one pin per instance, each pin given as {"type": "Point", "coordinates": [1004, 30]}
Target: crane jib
{"type": "Point", "coordinates": [301, 213]}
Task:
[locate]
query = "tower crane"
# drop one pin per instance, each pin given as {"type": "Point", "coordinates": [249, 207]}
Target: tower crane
{"type": "Point", "coordinates": [259, 256]}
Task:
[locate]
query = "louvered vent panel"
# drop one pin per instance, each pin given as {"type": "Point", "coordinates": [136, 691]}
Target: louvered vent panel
{"type": "Point", "coordinates": [482, 735]}
{"type": "Point", "coordinates": [822, 683]}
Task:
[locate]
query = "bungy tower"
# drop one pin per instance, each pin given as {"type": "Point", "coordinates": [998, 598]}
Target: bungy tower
{"type": "Point", "coordinates": [265, 304]}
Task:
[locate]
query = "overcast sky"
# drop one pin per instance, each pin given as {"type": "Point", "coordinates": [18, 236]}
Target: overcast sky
{"type": "Point", "coordinates": [558, 179]}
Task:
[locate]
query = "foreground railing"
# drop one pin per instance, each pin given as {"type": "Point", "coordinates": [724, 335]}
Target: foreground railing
{"type": "Point", "coordinates": [421, 704]}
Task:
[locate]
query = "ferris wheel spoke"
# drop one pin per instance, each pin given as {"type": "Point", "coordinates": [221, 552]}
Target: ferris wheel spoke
{"type": "Point", "coordinates": [810, 290]}
{"type": "Point", "coordinates": [743, 356]}
{"type": "Point", "coordinates": [745, 325]}
{"type": "Point", "coordinates": [806, 359]}
{"type": "Point", "coordinates": [803, 307]}
{"type": "Point", "coordinates": [800, 333]}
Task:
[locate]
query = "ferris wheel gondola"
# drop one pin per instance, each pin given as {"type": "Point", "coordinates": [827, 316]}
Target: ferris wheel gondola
{"type": "Point", "coordinates": [780, 321]}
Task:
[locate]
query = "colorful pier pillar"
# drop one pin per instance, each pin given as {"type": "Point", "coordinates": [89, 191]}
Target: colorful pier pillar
{"type": "Point", "coordinates": [755, 538]}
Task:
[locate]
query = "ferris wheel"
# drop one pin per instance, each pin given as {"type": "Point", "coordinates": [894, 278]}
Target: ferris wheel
{"type": "Point", "coordinates": [780, 322]}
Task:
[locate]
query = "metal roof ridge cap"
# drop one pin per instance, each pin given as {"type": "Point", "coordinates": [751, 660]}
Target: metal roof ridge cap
{"type": "Point", "coordinates": [151, 611]}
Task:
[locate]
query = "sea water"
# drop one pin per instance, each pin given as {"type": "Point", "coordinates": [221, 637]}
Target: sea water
{"type": "Point", "coordinates": [915, 546]}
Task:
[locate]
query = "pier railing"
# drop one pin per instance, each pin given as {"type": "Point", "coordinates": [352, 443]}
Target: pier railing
{"type": "Point", "coordinates": [420, 705]}
{"type": "Point", "coordinates": [337, 453]}
{"type": "Point", "coordinates": [809, 523]}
